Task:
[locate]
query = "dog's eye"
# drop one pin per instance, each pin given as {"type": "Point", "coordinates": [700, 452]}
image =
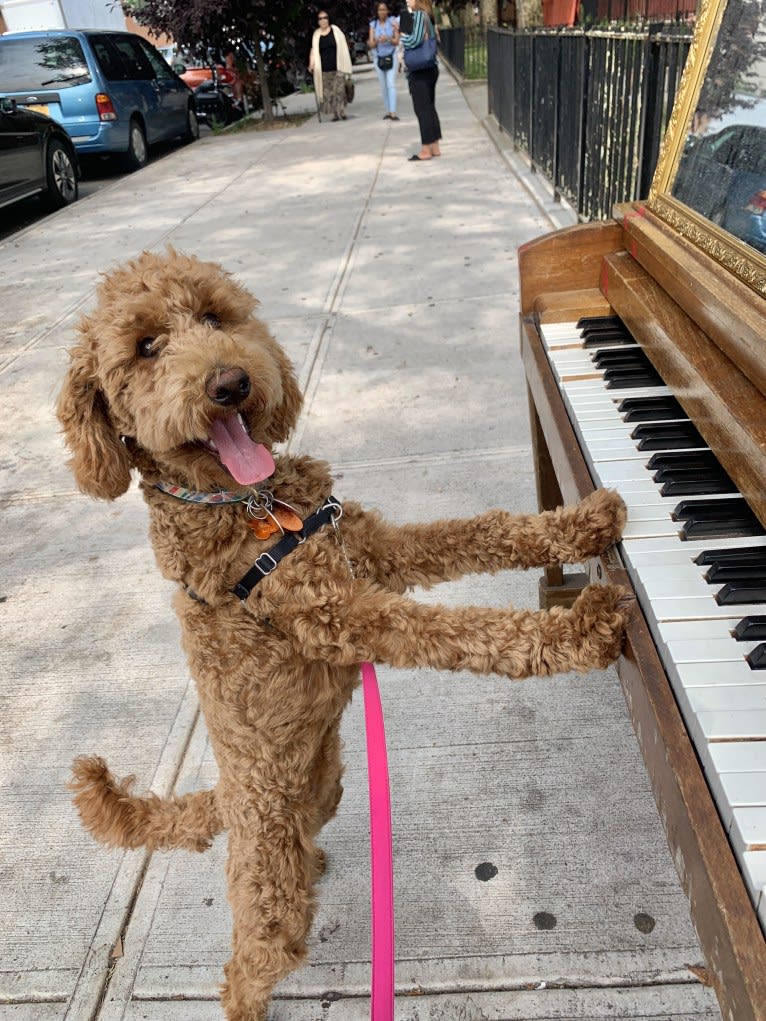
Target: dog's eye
{"type": "Point", "coordinates": [211, 319]}
{"type": "Point", "coordinates": [146, 348]}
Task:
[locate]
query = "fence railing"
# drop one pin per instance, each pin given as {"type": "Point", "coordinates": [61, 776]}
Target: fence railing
{"type": "Point", "coordinates": [588, 108]}
{"type": "Point", "coordinates": [466, 50]}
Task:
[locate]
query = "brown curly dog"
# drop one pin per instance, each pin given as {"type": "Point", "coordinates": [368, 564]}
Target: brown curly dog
{"type": "Point", "coordinates": [175, 378]}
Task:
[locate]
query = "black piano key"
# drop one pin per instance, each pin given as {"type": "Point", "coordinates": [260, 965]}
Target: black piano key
{"type": "Point", "coordinates": [735, 593]}
{"type": "Point", "coordinates": [626, 382]}
{"type": "Point", "coordinates": [740, 555]}
{"type": "Point", "coordinates": [661, 436]}
{"type": "Point", "coordinates": [721, 573]}
{"type": "Point", "coordinates": [672, 474]}
{"type": "Point", "coordinates": [595, 321]}
{"type": "Point", "coordinates": [613, 339]}
{"type": "Point", "coordinates": [733, 507]}
{"type": "Point", "coordinates": [702, 528]}
{"type": "Point", "coordinates": [757, 658]}
{"type": "Point", "coordinates": [699, 486]}
{"type": "Point", "coordinates": [650, 409]}
{"type": "Point", "coordinates": [616, 357]}
{"type": "Point", "coordinates": [702, 459]}
{"type": "Point", "coordinates": [751, 629]}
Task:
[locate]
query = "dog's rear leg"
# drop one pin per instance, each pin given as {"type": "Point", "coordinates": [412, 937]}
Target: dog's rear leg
{"type": "Point", "coordinates": [270, 873]}
{"type": "Point", "coordinates": [118, 818]}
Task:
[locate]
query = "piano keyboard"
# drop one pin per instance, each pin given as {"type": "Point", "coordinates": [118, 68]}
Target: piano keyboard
{"type": "Point", "coordinates": [696, 556]}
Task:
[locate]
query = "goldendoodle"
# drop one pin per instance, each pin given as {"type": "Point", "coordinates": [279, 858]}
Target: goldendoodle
{"type": "Point", "coordinates": [279, 600]}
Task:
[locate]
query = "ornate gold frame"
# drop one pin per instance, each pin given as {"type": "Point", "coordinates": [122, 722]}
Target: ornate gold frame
{"type": "Point", "coordinates": [736, 256]}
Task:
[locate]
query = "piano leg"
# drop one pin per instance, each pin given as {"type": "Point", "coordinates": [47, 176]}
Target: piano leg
{"type": "Point", "coordinates": [555, 587]}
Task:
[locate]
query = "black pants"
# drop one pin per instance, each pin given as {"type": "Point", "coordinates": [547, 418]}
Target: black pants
{"type": "Point", "coordinates": [423, 92]}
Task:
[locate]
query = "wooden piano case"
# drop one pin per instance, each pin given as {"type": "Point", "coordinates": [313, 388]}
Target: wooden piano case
{"type": "Point", "coordinates": [694, 297]}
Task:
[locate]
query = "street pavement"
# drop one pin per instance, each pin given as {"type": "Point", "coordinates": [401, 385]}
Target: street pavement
{"type": "Point", "coordinates": [532, 876]}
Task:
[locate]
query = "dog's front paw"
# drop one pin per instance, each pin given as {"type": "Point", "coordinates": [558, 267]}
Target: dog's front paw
{"type": "Point", "coordinates": [590, 526]}
{"type": "Point", "coordinates": [600, 614]}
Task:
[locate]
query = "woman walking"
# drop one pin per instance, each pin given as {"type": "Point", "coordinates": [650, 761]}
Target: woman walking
{"type": "Point", "coordinates": [422, 79]}
{"type": "Point", "coordinates": [330, 63]}
{"type": "Point", "coordinates": [383, 40]}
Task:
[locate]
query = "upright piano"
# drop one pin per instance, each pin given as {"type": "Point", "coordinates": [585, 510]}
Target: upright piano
{"type": "Point", "coordinates": [644, 345]}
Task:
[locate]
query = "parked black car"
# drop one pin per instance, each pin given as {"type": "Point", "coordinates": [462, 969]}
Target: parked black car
{"type": "Point", "coordinates": [37, 157]}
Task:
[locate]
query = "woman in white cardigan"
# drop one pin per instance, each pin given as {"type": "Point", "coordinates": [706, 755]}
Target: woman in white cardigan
{"type": "Point", "coordinates": [330, 62]}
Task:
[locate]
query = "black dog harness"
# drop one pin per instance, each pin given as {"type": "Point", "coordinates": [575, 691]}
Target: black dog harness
{"type": "Point", "coordinates": [329, 513]}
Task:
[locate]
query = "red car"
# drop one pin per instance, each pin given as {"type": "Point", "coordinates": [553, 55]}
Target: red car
{"type": "Point", "coordinates": [194, 76]}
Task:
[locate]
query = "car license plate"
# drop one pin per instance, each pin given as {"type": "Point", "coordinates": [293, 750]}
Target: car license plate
{"type": "Point", "coordinates": [40, 107]}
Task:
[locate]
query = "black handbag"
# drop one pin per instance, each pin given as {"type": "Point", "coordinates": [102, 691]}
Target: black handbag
{"type": "Point", "coordinates": [386, 63]}
{"type": "Point", "coordinates": [349, 89]}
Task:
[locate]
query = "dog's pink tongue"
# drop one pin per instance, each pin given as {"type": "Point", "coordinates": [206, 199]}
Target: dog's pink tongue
{"type": "Point", "coordinates": [248, 462]}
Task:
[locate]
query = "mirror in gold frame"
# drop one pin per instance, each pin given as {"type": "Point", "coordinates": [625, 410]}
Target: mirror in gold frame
{"type": "Point", "coordinates": [710, 183]}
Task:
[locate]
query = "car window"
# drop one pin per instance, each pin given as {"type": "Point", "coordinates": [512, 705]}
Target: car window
{"type": "Point", "coordinates": [742, 148]}
{"type": "Point", "coordinates": [160, 68]}
{"type": "Point", "coordinates": [109, 59]}
{"type": "Point", "coordinates": [138, 67]}
{"type": "Point", "coordinates": [42, 63]}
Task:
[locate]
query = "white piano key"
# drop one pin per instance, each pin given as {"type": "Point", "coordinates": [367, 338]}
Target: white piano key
{"type": "Point", "coordinates": [754, 868]}
{"type": "Point", "coordinates": [712, 650]}
{"type": "Point", "coordinates": [590, 393]}
{"type": "Point", "coordinates": [645, 553]}
{"type": "Point", "coordinates": [739, 756]}
{"type": "Point", "coordinates": [664, 545]}
{"type": "Point", "coordinates": [728, 698]}
{"type": "Point", "coordinates": [661, 507]}
{"type": "Point", "coordinates": [745, 790]}
{"type": "Point", "coordinates": [697, 630]}
{"type": "Point", "coordinates": [748, 829]}
{"type": "Point", "coordinates": [698, 609]}
{"type": "Point", "coordinates": [694, 675]}
{"type": "Point", "coordinates": [733, 791]}
{"type": "Point", "coordinates": [731, 724]}
{"type": "Point", "coordinates": [613, 427]}
{"type": "Point", "coordinates": [663, 581]}
{"type": "Point", "coordinates": [638, 529]}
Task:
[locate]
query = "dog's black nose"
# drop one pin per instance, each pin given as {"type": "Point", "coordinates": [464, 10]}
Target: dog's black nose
{"type": "Point", "coordinates": [228, 387]}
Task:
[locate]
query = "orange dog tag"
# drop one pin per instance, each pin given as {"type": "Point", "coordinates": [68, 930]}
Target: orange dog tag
{"type": "Point", "coordinates": [265, 527]}
{"type": "Point", "coordinates": [288, 519]}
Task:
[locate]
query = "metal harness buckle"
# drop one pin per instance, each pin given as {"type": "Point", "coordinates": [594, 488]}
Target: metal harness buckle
{"type": "Point", "coordinates": [265, 570]}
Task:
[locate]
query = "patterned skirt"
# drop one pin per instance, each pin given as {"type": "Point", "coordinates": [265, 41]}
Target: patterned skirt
{"type": "Point", "coordinates": [333, 93]}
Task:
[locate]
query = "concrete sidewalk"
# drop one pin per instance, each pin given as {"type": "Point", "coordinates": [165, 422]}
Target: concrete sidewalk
{"type": "Point", "coordinates": [393, 286]}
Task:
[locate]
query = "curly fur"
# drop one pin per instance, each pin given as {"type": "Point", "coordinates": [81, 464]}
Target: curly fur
{"type": "Point", "coordinates": [274, 673]}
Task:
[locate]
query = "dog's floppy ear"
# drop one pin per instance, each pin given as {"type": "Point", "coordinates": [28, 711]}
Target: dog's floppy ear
{"type": "Point", "coordinates": [99, 462]}
{"type": "Point", "coordinates": [286, 414]}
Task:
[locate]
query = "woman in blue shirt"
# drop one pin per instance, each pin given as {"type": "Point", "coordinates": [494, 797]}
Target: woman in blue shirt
{"type": "Point", "coordinates": [422, 82]}
{"type": "Point", "coordinates": [383, 40]}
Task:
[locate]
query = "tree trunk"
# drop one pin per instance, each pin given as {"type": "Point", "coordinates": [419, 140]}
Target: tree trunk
{"type": "Point", "coordinates": [529, 13]}
{"type": "Point", "coordinates": [263, 77]}
{"type": "Point", "coordinates": [488, 12]}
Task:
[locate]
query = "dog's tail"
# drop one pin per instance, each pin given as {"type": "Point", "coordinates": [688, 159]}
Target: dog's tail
{"type": "Point", "coordinates": [118, 818]}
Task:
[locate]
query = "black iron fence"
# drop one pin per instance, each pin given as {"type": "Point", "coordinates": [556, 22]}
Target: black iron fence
{"type": "Point", "coordinates": [588, 108]}
{"type": "Point", "coordinates": [466, 50]}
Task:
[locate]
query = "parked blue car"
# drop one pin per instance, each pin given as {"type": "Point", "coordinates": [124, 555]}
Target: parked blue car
{"type": "Point", "coordinates": [112, 91]}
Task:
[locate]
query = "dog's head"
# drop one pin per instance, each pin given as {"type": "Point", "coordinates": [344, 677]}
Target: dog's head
{"type": "Point", "coordinates": [174, 374]}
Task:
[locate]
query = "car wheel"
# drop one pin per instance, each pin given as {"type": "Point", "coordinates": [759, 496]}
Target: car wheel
{"type": "Point", "coordinates": [137, 155]}
{"type": "Point", "coordinates": [192, 125]}
{"type": "Point", "coordinates": [62, 188]}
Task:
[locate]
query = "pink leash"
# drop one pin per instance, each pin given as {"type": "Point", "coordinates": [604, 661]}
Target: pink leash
{"type": "Point", "coordinates": [381, 854]}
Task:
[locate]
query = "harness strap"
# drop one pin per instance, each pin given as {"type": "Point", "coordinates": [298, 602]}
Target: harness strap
{"type": "Point", "coordinates": [267, 562]}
